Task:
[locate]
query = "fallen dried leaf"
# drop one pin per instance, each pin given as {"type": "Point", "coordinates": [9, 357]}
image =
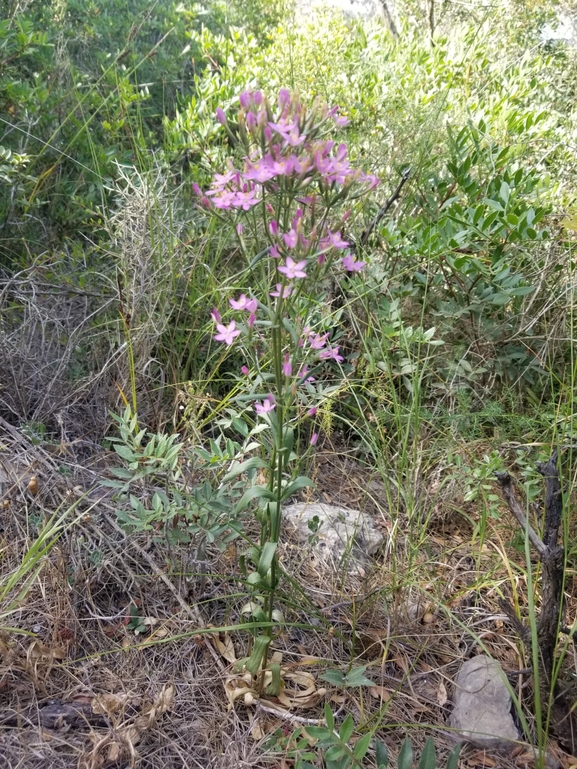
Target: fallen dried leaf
{"type": "Point", "coordinates": [38, 651]}
{"type": "Point", "coordinates": [380, 692]}
{"type": "Point", "coordinates": [109, 704]}
{"type": "Point", "coordinates": [225, 647]}
{"type": "Point", "coordinates": [442, 694]}
{"type": "Point", "coordinates": [480, 759]}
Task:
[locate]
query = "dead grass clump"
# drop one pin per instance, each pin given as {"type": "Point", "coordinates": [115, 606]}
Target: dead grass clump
{"type": "Point", "coordinates": [67, 348]}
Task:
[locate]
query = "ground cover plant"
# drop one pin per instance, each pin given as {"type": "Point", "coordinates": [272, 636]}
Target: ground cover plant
{"type": "Point", "coordinates": [254, 257]}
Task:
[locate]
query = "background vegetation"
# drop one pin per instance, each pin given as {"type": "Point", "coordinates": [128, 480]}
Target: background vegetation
{"type": "Point", "coordinates": [459, 338]}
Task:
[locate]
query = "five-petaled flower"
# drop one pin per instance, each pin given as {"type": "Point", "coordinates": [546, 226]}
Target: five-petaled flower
{"type": "Point", "coordinates": [332, 352]}
{"type": "Point", "coordinates": [280, 291]}
{"type": "Point", "coordinates": [266, 406]}
{"type": "Point", "coordinates": [293, 269]}
{"type": "Point", "coordinates": [243, 303]}
{"type": "Point", "coordinates": [226, 334]}
{"type": "Point", "coordinates": [336, 240]}
{"type": "Point", "coordinates": [318, 341]}
{"type": "Point", "coordinates": [351, 264]}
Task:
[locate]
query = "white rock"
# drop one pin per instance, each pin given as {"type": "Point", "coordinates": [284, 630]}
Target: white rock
{"type": "Point", "coordinates": [482, 703]}
{"type": "Point", "coordinates": [342, 536]}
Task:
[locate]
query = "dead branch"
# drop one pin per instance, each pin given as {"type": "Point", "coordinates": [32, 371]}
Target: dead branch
{"type": "Point", "coordinates": [515, 507]}
{"type": "Point", "coordinates": [551, 556]}
{"type": "Point", "coordinates": [384, 208]}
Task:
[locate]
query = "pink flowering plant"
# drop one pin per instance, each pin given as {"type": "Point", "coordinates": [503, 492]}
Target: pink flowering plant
{"type": "Point", "coordinates": [287, 201]}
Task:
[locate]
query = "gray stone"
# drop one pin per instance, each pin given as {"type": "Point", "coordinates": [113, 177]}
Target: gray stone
{"type": "Point", "coordinates": [340, 535]}
{"type": "Point", "coordinates": [482, 704]}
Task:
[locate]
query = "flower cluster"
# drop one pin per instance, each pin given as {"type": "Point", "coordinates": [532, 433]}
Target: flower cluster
{"type": "Point", "coordinates": [290, 145]}
{"type": "Point", "coordinates": [299, 177]}
{"type": "Point", "coordinates": [289, 156]}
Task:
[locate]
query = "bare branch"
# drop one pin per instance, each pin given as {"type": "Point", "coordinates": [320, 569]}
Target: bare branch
{"type": "Point", "coordinates": [515, 507]}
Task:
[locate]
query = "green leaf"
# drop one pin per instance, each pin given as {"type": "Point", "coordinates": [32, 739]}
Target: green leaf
{"type": "Point", "coordinates": [333, 677]}
{"type": "Point", "coordinates": [362, 746]}
{"type": "Point", "coordinates": [240, 426]}
{"type": "Point", "coordinates": [295, 486]}
{"type": "Point", "coordinates": [382, 755]}
{"type": "Point", "coordinates": [288, 440]}
{"type": "Point", "coordinates": [241, 467]}
{"type": "Point", "coordinates": [274, 687]}
{"type": "Point", "coordinates": [334, 753]}
{"type": "Point", "coordinates": [121, 472]}
{"type": "Point", "coordinates": [329, 717]}
{"type": "Point", "coordinates": [317, 732]}
{"type": "Point", "coordinates": [453, 759]}
{"type": "Point", "coordinates": [266, 558]}
{"type": "Point", "coordinates": [125, 452]}
{"type": "Point", "coordinates": [347, 728]}
{"type": "Point", "coordinates": [356, 677]}
{"type": "Point", "coordinates": [494, 204]}
{"type": "Point", "coordinates": [253, 493]}
{"type": "Point", "coordinates": [405, 759]}
{"type": "Point", "coordinates": [428, 756]}
{"type": "Point", "coordinates": [261, 644]}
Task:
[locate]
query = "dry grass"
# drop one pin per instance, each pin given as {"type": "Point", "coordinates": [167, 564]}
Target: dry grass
{"type": "Point", "coordinates": [84, 690]}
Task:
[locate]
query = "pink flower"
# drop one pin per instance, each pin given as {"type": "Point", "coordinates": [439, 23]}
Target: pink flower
{"type": "Point", "coordinates": [244, 370]}
{"type": "Point", "coordinates": [245, 98]}
{"type": "Point", "coordinates": [290, 238]}
{"type": "Point", "coordinates": [332, 352]}
{"type": "Point", "coordinates": [293, 269]}
{"type": "Point", "coordinates": [220, 116]}
{"type": "Point", "coordinates": [243, 303]}
{"type": "Point", "coordinates": [245, 200]}
{"type": "Point", "coordinates": [273, 228]}
{"type": "Point", "coordinates": [336, 240]}
{"type": "Point", "coordinates": [196, 189]}
{"type": "Point", "coordinates": [251, 319]}
{"type": "Point", "coordinates": [266, 406]}
{"type": "Point", "coordinates": [226, 334]}
{"type": "Point", "coordinates": [317, 342]}
{"type": "Point", "coordinates": [303, 374]}
{"type": "Point", "coordinates": [284, 98]}
{"type": "Point", "coordinates": [372, 180]}
{"type": "Point", "coordinates": [273, 251]}
{"type": "Point", "coordinates": [225, 200]}
{"type": "Point", "coordinates": [341, 121]}
{"type": "Point", "coordinates": [257, 98]}
{"type": "Point", "coordinates": [283, 167]}
{"type": "Point", "coordinates": [221, 180]}
{"type": "Point", "coordinates": [312, 412]}
{"type": "Point", "coordinates": [314, 439]}
{"type": "Point", "coordinates": [260, 172]}
{"type": "Point", "coordinates": [286, 291]}
{"type": "Point", "coordinates": [251, 120]}
{"type": "Point", "coordinates": [215, 315]}
{"type": "Point", "coordinates": [289, 132]}
{"type": "Point", "coordinates": [239, 228]}
{"type": "Point", "coordinates": [351, 264]}
{"type": "Point", "coordinates": [287, 366]}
